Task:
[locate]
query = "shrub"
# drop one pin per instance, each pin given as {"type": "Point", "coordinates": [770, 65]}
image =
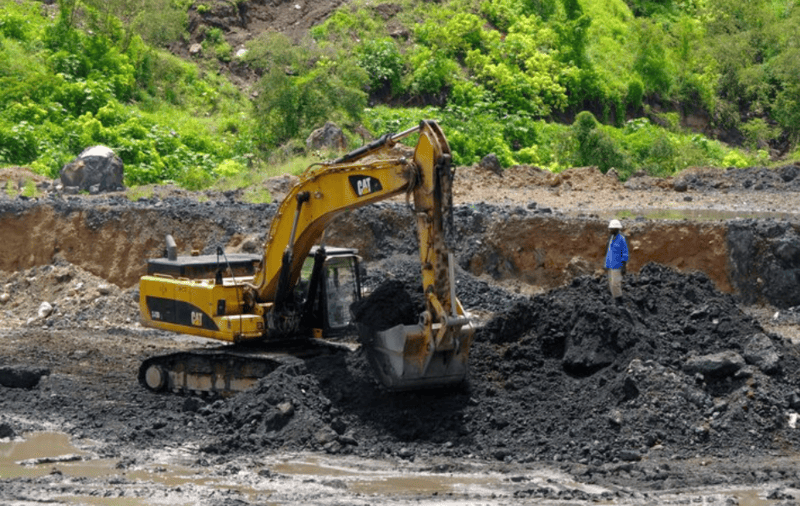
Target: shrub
{"type": "Point", "coordinates": [18, 143]}
{"type": "Point", "coordinates": [228, 168]}
{"type": "Point", "coordinates": [652, 62]}
{"type": "Point", "coordinates": [293, 105]}
{"type": "Point", "coordinates": [383, 63]}
{"type": "Point", "coordinates": [13, 26]}
{"type": "Point", "coordinates": [595, 147]}
{"type": "Point", "coordinates": [454, 33]}
{"type": "Point", "coordinates": [757, 132]}
{"type": "Point", "coordinates": [432, 73]}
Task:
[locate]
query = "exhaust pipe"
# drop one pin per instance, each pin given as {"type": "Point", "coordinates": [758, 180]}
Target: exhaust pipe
{"type": "Point", "coordinates": [172, 248]}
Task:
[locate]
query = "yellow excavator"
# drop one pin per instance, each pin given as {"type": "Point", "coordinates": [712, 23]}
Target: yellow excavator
{"type": "Point", "coordinates": [284, 304]}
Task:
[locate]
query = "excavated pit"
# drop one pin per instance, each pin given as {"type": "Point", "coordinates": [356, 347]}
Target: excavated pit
{"type": "Point", "coordinates": [623, 392]}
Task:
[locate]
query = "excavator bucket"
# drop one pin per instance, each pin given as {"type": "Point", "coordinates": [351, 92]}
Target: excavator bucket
{"type": "Point", "coordinates": [405, 357]}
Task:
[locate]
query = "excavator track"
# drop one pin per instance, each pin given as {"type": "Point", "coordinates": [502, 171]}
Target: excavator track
{"type": "Point", "coordinates": [226, 370]}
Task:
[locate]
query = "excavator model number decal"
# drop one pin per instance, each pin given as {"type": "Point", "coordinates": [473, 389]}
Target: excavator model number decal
{"type": "Point", "coordinates": [364, 185]}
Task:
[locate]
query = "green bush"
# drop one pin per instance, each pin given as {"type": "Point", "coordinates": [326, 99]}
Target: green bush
{"type": "Point", "coordinates": [454, 33]}
{"type": "Point", "coordinates": [432, 73]}
{"type": "Point", "coordinates": [18, 143]}
{"type": "Point", "coordinates": [652, 62]}
{"type": "Point", "coordinates": [320, 89]}
{"type": "Point", "coordinates": [345, 26]}
{"type": "Point", "coordinates": [594, 146]}
{"type": "Point", "coordinates": [383, 63]}
{"type": "Point", "coordinates": [13, 26]}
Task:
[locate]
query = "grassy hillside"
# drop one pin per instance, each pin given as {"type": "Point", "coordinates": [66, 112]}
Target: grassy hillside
{"type": "Point", "coordinates": [554, 83]}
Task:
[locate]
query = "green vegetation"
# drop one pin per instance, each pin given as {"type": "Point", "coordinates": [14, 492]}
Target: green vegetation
{"type": "Point", "coordinates": [11, 191]}
{"type": "Point", "coordinates": [553, 83]}
{"type": "Point", "coordinates": [65, 86]}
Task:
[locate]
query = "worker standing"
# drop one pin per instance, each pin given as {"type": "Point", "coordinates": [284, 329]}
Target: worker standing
{"type": "Point", "coordinates": [616, 258]}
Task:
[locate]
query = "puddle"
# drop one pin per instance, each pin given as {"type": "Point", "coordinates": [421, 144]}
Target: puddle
{"type": "Point", "coordinates": [423, 485]}
{"type": "Point", "coordinates": [79, 477]}
{"type": "Point", "coordinates": [103, 501]}
{"type": "Point", "coordinates": [46, 453]}
{"type": "Point", "coordinates": [750, 498]}
{"type": "Point", "coordinates": [392, 483]}
{"type": "Point", "coordinates": [310, 469]}
{"type": "Point", "coordinates": [37, 455]}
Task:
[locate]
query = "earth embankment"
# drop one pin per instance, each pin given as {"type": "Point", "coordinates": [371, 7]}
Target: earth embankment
{"type": "Point", "coordinates": [112, 237]}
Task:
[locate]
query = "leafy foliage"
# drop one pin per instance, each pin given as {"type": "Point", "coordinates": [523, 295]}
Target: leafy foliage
{"type": "Point", "coordinates": [76, 88]}
{"type": "Point", "coordinates": [382, 61]}
{"type": "Point", "coordinates": [554, 83]}
{"type": "Point", "coordinates": [303, 87]}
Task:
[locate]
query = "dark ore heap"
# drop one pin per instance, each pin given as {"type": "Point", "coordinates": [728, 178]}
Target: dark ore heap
{"type": "Point", "coordinates": [674, 368]}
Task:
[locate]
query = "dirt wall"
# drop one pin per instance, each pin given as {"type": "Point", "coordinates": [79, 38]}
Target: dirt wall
{"type": "Point", "coordinates": [758, 259]}
{"type": "Point", "coordinates": [111, 243]}
{"type": "Point", "coordinates": [548, 251]}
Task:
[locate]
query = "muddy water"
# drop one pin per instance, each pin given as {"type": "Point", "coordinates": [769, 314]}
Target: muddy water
{"type": "Point", "coordinates": [167, 479]}
{"type": "Point", "coordinates": [43, 454]}
{"type": "Point", "coordinates": [38, 455]}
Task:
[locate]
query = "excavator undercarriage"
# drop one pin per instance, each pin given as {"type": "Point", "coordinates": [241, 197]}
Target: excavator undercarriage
{"type": "Point", "coordinates": [227, 370]}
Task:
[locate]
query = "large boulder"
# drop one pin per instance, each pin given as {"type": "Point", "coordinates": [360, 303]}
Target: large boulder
{"type": "Point", "coordinates": [492, 163]}
{"type": "Point", "coordinates": [21, 376]}
{"type": "Point", "coordinates": [328, 137]}
{"type": "Point", "coordinates": [96, 169]}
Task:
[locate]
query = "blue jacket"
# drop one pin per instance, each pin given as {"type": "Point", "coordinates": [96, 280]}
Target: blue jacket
{"type": "Point", "coordinates": [617, 252]}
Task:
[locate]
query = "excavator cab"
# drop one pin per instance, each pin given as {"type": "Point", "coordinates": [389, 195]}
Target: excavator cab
{"type": "Point", "coordinates": [329, 283]}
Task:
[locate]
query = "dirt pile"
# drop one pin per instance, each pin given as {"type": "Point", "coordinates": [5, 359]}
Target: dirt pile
{"type": "Point", "coordinates": [62, 295]}
{"type": "Point", "coordinates": [404, 270]}
{"type": "Point", "coordinates": [751, 178]}
{"type": "Point", "coordinates": [675, 369]}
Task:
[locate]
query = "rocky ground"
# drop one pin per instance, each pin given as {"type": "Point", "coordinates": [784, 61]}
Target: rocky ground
{"type": "Point", "coordinates": [679, 392]}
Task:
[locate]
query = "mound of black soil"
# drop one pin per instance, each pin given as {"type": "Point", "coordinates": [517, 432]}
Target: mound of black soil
{"type": "Point", "coordinates": [390, 304]}
{"type": "Point", "coordinates": [764, 258]}
{"type": "Point", "coordinates": [751, 178]}
{"type": "Point", "coordinates": [472, 292]}
{"type": "Point", "coordinates": [674, 368]}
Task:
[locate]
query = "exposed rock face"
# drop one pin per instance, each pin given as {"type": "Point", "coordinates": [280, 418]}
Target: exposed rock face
{"type": "Point", "coordinates": [96, 169]}
{"type": "Point", "coordinates": [764, 259]}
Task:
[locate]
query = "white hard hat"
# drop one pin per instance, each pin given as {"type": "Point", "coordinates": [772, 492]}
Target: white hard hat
{"type": "Point", "coordinates": [615, 224]}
